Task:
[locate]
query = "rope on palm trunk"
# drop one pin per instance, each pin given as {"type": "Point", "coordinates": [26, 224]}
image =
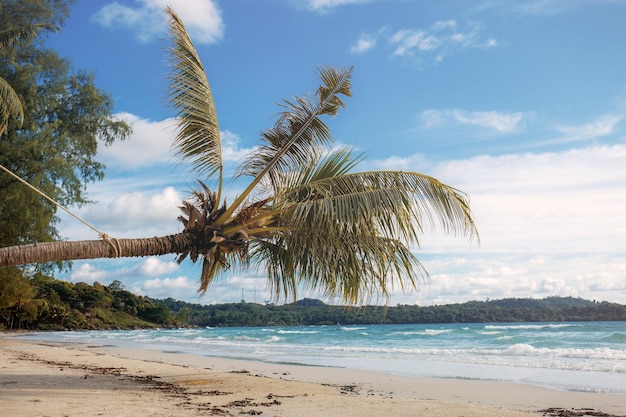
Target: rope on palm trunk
{"type": "Point", "coordinates": [117, 250]}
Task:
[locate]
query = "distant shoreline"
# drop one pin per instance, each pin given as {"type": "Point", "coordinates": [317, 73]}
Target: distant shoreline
{"type": "Point", "coordinates": [118, 309]}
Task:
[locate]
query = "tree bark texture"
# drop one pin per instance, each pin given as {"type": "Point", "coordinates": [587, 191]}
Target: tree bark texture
{"type": "Point", "coordinates": [93, 249]}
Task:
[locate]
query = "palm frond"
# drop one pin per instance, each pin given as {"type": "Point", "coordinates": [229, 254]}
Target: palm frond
{"type": "Point", "coordinates": [349, 234]}
{"type": "Point", "coordinates": [337, 262]}
{"type": "Point", "coordinates": [297, 133]}
{"type": "Point", "coordinates": [10, 106]}
{"type": "Point", "coordinates": [336, 163]}
{"type": "Point", "coordinates": [21, 34]}
{"type": "Point", "coordinates": [189, 94]}
{"type": "Point", "coordinates": [397, 204]}
{"type": "Point", "coordinates": [10, 103]}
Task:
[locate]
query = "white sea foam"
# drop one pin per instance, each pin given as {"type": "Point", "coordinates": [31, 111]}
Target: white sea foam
{"type": "Point", "coordinates": [427, 332]}
{"type": "Point", "coordinates": [436, 332]}
{"type": "Point", "coordinates": [297, 331]}
{"type": "Point", "coordinates": [530, 326]}
{"type": "Point", "coordinates": [247, 338]}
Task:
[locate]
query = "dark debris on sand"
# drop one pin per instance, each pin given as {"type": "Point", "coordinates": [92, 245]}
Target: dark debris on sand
{"type": "Point", "coordinates": [576, 412]}
{"type": "Point", "coordinates": [195, 399]}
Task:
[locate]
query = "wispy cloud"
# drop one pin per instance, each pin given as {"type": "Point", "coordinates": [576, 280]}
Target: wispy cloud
{"type": "Point", "coordinates": [328, 5]}
{"type": "Point", "coordinates": [414, 162]}
{"type": "Point", "coordinates": [232, 152]}
{"type": "Point", "coordinates": [202, 18]}
{"type": "Point", "coordinates": [541, 7]}
{"type": "Point", "coordinates": [441, 39]}
{"type": "Point", "coordinates": [500, 122]}
{"type": "Point", "coordinates": [603, 126]}
{"type": "Point", "coordinates": [364, 44]}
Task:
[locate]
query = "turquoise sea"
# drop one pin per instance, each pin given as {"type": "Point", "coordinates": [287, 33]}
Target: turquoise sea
{"type": "Point", "coordinates": [573, 356]}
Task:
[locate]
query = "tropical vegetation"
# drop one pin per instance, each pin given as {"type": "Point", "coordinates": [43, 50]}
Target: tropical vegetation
{"type": "Point", "coordinates": [61, 118]}
{"type": "Point", "coordinates": [44, 303]}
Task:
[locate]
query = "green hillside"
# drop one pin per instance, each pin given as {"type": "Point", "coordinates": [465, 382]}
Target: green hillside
{"type": "Point", "coordinates": [44, 303]}
{"type": "Point", "coordinates": [314, 312]}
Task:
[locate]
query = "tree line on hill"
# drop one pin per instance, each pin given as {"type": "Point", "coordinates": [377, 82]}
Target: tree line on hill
{"type": "Point", "coordinates": [44, 303]}
{"type": "Point", "coordinates": [315, 312]}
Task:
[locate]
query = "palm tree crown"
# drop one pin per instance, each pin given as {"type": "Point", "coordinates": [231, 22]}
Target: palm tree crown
{"type": "Point", "coordinates": [306, 216]}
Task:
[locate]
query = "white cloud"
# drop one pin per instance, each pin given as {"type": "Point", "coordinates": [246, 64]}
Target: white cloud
{"type": "Point", "coordinates": [327, 5]}
{"type": "Point", "coordinates": [368, 41]}
{"type": "Point", "coordinates": [492, 43]}
{"type": "Point", "coordinates": [149, 144]}
{"type": "Point", "coordinates": [542, 7]}
{"type": "Point", "coordinates": [231, 152]}
{"type": "Point", "coordinates": [202, 18]}
{"type": "Point", "coordinates": [152, 266]}
{"type": "Point", "coordinates": [179, 288]}
{"type": "Point", "coordinates": [415, 162]}
{"type": "Point", "coordinates": [441, 39]}
{"type": "Point", "coordinates": [87, 273]}
{"type": "Point", "coordinates": [571, 201]}
{"type": "Point", "coordinates": [181, 282]}
{"type": "Point", "coordinates": [503, 123]}
{"type": "Point", "coordinates": [410, 40]}
{"type": "Point", "coordinates": [135, 214]}
{"type": "Point", "coordinates": [363, 45]}
{"type": "Point", "coordinates": [603, 126]}
{"type": "Point", "coordinates": [497, 276]}
{"type": "Point", "coordinates": [444, 24]}
{"type": "Point", "coordinates": [434, 118]}
{"type": "Point", "coordinates": [500, 122]}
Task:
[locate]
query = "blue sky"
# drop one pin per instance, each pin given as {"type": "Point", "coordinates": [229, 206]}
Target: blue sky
{"type": "Point", "coordinates": [519, 103]}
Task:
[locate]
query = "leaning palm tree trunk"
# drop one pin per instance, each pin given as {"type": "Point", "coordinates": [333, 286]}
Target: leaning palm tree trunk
{"type": "Point", "coordinates": [92, 249]}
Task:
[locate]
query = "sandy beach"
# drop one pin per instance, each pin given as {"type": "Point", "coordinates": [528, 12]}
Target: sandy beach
{"type": "Point", "coordinates": [43, 379]}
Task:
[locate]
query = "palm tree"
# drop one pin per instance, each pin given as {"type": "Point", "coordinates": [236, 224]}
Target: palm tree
{"type": "Point", "coordinates": [10, 103]}
{"type": "Point", "coordinates": [307, 217]}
